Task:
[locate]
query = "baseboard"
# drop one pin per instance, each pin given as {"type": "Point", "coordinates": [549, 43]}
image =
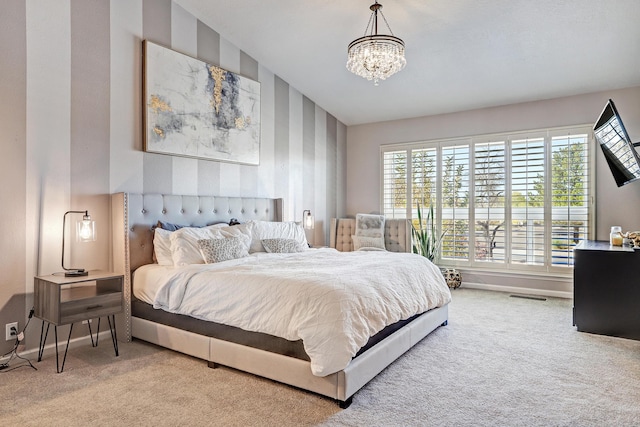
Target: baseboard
{"type": "Point", "coordinates": [518, 290]}
{"type": "Point", "coordinates": [50, 349]}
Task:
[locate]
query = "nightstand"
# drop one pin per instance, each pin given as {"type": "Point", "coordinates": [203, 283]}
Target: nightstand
{"type": "Point", "coordinates": [61, 300]}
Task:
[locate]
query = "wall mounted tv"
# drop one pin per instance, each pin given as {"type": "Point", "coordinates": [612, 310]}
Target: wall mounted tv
{"type": "Point", "coordinates": [622, 158]}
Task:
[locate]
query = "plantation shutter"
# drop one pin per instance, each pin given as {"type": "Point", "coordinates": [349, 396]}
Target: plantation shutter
{"type": "Point", "coordinates": [455, 202]}
{"type": "Point", "coordinates": [518, 201]}
{"type": "Point", "coordinates": [569, 196]}
{"type": "Point", "coordinates": [527, 201]}
{"type": "Point", "coordinates": [423, 178]}
{"type": "Point", "coordinates": [489, 202]}
{"type": "Point", "coordinates": [394, 185]}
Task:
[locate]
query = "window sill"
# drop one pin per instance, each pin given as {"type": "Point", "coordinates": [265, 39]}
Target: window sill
{"type": "Point", "coordinates": [513, 273]}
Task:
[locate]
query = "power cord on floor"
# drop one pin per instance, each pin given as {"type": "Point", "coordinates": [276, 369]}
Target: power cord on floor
{"type": "Point", "coordinates": [13, 353]}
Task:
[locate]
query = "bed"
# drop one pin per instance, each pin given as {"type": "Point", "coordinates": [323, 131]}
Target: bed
{"type": "Point", "coordinates": [260, 353]}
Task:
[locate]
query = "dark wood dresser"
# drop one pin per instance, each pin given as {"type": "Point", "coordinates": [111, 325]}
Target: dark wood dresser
{"type": "Point", "coordinates": [606, 289]}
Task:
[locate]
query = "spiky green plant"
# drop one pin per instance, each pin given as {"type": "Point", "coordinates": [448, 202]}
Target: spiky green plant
{"type": "Point", "coordinates": [425, 238]}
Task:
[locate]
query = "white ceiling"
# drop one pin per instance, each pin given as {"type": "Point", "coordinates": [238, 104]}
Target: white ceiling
{"type": "Point", "coordinates": [461, 54]}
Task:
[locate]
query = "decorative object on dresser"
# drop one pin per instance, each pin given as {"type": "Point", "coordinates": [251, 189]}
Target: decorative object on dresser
{"type": "Point", "coordinates": [60, 300]}
{"type": "Point", "coordinates": [634, 238]}
{"type": "Point", "coordinates": [615, 237]}
{"type": "Point", "coordinates": [85, 232]}
{"type": "Point", "coordinates": [196, 109]}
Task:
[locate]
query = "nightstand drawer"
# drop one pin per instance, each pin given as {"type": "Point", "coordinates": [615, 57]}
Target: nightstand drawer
{"type": "Point", "coordinates": [90, 308]}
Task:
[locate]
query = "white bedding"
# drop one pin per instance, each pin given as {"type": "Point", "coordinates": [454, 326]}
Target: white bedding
{"type": "Point", "coordinates": [333, 301]}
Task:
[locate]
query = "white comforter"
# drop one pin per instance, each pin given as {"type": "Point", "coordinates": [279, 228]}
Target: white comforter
{"type": "Point", "coordinates": [333, 301]}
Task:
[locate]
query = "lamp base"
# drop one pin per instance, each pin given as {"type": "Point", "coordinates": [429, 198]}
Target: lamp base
{"type": "Point", "coordinates": [75, 273]}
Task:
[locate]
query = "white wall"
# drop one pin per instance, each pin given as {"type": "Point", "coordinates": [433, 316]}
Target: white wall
{"type": "Point", "coordinates": [614, 206]}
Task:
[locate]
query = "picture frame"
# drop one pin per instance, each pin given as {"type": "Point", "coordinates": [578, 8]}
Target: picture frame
{"type": "Point", "coordinates": [196, 109]}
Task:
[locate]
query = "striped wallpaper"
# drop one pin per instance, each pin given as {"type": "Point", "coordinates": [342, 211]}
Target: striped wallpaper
{"type": "Point", "coordinates": [71, 121]}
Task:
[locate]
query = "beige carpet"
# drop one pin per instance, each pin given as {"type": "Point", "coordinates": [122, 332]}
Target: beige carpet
{"type": "Point", "coordinates": [501, 361]}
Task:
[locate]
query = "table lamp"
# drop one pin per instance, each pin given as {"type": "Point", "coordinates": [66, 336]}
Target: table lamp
{"type": "Point", "coordinates": [85, 232]}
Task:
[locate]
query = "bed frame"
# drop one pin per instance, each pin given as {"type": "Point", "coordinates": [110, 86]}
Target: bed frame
{"type": "Point", "coordinates": [134, 215]}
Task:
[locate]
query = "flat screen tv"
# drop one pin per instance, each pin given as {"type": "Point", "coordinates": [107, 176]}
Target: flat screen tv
{"type": "Point", "coordinates": [622, 158]}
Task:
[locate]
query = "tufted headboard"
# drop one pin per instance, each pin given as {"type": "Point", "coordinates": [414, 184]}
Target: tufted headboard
{"type": "Point", "coordinates": [144, 210]}
{"type": "Point", "coordinates": [133, 217]}
{"type": "Point", "coordinates": [397, 234]}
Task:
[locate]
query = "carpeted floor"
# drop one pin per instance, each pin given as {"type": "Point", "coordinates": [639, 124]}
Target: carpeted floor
{"type": "Point", "coordinates": [501, 361]}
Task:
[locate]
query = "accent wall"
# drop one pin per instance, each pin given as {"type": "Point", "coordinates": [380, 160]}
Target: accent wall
{"type": "Point", "coordinates": [71, 120]}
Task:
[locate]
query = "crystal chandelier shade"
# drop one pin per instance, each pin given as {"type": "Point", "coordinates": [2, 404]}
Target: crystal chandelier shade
{"type": "Point", "coordinates": [376, 56]}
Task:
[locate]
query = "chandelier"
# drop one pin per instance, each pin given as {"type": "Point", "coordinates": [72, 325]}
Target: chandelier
{"type": "Point", "coordinates": [376, 56]}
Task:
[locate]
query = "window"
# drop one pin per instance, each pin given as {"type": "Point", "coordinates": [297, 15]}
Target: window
{"type": "Point", "coordinates": [489, 201]}
{"type": "Point", "coordinates": [527, 201]}
{"type": "Point", "coordinates": [455, 202]}
{"type": "Point", "coordinates": [518, 201]}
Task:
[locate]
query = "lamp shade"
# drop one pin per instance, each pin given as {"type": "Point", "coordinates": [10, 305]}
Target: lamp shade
{"type": "Point", "coordinates": [86, 230]}
{"type": "Point", "coordinates": [308, 221]}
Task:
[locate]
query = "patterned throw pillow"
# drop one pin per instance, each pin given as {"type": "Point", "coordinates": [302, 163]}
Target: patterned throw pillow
{"type": "Point", "coordinates": [218, 250]}
{"type": "Point", "coordinates": [281, 246]}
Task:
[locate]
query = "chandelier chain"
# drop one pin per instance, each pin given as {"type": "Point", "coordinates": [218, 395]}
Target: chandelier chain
{"type": "Point", "coordinates": [386, 23]}
{"type": "Point", "coordinates": [369, 24]}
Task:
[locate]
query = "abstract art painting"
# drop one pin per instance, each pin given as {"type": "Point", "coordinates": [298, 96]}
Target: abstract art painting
{"type": "Point", "coordinates": [195, 109]}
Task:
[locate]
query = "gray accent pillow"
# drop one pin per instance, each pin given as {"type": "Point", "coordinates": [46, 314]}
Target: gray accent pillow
{"type": "Point", "coordinates": [172, 227]}
{"type": "Point", "coordinates": [368, 225]}
{"type": "Point", "coordinates": [218, 250]}
{"type": "Point", "coordinates": [281, 246]}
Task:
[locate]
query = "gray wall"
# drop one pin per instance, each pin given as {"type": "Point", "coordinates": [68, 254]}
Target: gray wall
{"type": "Point", "coordinates": [71, 121]}
{"type": "Point", "coordinates": [614, 206]}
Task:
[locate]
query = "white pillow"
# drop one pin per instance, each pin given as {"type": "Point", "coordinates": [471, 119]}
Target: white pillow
{"type": "Point", "coordinates": [218, 250]}
{"type": "Point", "coordinates": [162, 246]}
{"type": "Point", "coordinates": [244, 231]}
{"type": "Point", "coordinates": [275, 230]}
{"type": "Point", "coordinates": [370, 225]}
{"type": "Point", "coordinates": [367, 243]}
{"type": "Point", "coordinates": [184, 244]}
{"type": "Point", "coordinates": [282, 246]}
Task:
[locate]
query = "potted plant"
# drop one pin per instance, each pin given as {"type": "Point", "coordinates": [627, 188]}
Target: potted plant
{"type": "Point", "coordinates": [426, 241]}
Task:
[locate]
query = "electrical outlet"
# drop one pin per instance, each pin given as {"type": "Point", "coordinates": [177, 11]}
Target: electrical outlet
{"type": "Point", "coordinates": [84, 322]}
{"type": "Point", "coordinates": [11, 335]}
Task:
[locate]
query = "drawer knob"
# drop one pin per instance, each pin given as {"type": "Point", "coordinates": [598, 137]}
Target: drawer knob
{"type": "Point", "coordinates": [93, 307]}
